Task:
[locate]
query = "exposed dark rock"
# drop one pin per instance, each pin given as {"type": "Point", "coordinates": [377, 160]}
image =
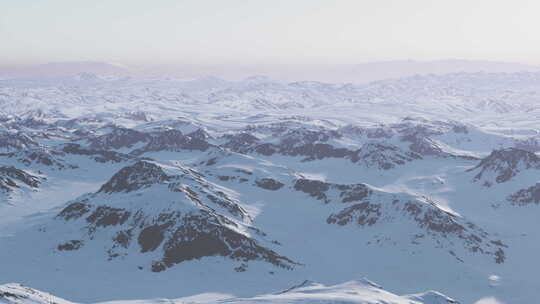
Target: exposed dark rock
{"type": "Point", "coordinates": [266, 149]}
{"type": "Point", "coordinates": [118, 138]}
{"type": "Point", "coordinates": [526, 196]}
{"type": "Point", "coordinates": [383, 156]}
{"type": "Point", "coordinates": [310, 144]}
{"type": "Point", "coordinates": [269, 184]}
{"type": "Point", "coordinates": [101, 156]}
{"type": "Point", "coordinates": [372, 207]}
{"type": "Point", "coordinates": [179, 231]}
{"type": "Point", "coordinates": [16, 141]}
{"type": "Point", "coordinates": [7, 295]}
{"type": "Point", "coordinates": [70, 245]}
{"type": "Point", "coordinates": [423, 145]}
{"type": "Point", "coordinates": [366, 213]}
{"type": "Point", "coordinates": [12, 178]}
{"type": "Point", "coordinates": [105, 216]}
{"type": "Point", "coordinates": [353, 193]}
{"type": "Point", "coordinates": [123, 238]}
{"type": "Point", "coordinates": [435, 219]}
{"type": "Point", "coordinates": [151, 237]}
{"type": "Point", "coordinates": [134, 177]}
{"type": "Point", "coordinates": [201, 237]}
{"type": "Point", "coordinates": [173, 140]}
{"type": "Point", "coordinates": [500, 257]}
{"type": "Point", "coordinates": [319, 189]}
{"type": "Point", "coordinates": [506, 163]}
{"type": "Point", "coordinates": [225, 202]}
{"type": "Point", "coordinates": [74, 211]}
{"type": "Point", "coordinates": [40, 156]}
{"type": "Point", "coordinates": [240, 142]}
{"type": "Point", "coordinates": [314, 188]}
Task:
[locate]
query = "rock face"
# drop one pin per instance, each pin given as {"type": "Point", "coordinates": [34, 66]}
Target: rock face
{"type": "Point", "coordinates": [526, 196]}
{"type": "Point", "coordinates": [101, 156]}
{"type": "Point", "coordinates": [323, 191]}
{"type": "Point", "coordinates": [40, 157]}
{"type": "Point", "coordinates": [502, 165]}
{"type": "Point", "coordinates": [283, 140]}
{"type": "Point", "coordinates": [118, 138]}
{"type": "Point", "coordinates": [384, 147]}
{"type": "Point", "coordinates": [136, 177]}
{"type": "Point", "coordinates": [269, 184]}
{"type": "Point", "coordinates": [16, 142]}
{"type": "Point", "coordinates": [383, 156]}
{"type": "Point", "coordinates": [12, 178]}
{"type": "Point", "coordinates": [370, 208]}
{"type": "Point", "coordinates": [174, 140]}
{"type": "Point", "coordinates": [241, 142]}
{"type": "Point", "coordinates": [192, 219]}
{"type": "Point", "coordinates": [316, 146]}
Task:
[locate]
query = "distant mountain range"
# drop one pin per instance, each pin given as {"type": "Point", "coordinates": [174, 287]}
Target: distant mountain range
{"type": "Point", "coordinates": [59, 69]}
{"type": "Point", "coordinates": [353, 73]}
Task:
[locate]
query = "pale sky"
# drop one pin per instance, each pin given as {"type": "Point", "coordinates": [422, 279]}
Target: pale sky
{"type": "Point", "coordinates": [269, 31]}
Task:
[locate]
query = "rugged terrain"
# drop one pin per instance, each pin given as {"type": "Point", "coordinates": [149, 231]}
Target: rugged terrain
{"type": "Point", "coordinates": [118, 188]}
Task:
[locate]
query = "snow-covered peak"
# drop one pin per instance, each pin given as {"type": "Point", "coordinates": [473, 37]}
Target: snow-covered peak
{"type": "Point", "coordinates": [351, 292]}
{"type": "Point", "coordinates": [135, 177]}
{"type": "Point", "coordinates": [19, 294]}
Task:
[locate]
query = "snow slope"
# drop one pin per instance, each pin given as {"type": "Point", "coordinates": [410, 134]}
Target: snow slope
{"type": "Point", "coordinates": [241, 188]}
{"type": "Point", "coordinates": [360, 292]}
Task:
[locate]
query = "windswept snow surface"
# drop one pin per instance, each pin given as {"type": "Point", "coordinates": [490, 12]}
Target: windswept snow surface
{"type": "Point", "coordinates": [122, 189]}
{"type": "Point", "coordinates": [352, 292]}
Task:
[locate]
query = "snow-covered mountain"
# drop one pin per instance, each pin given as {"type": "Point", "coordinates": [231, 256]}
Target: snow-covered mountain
{"type": "Point", "coordinates": [352, 292]}
{"type": "Point", "coordinates": [191, 219]}
{"type": "Point", "coordinates": [18, 294]}
{"type": "Point", "coordinates": [241, 188]}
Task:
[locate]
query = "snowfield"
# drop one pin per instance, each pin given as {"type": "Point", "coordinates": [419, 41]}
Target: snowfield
{"type": "Point", "coordinates": [130, 190]}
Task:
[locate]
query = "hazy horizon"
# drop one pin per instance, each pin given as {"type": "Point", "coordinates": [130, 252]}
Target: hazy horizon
{"type": "Point", "coordinates": [341, 73]}
{"type": "Point", "coordinates": [315, 32]}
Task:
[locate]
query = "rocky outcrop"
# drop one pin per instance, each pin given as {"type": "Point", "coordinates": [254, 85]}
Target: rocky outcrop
{"type": "Point", "coordinates": [10, 142]}
{"type": "Point", "coordinates": [40, 157]}
{"type": "Point", "coordinates": [502, 165]}
{"type": "Point", "coordinates": [313, 145]}
{"type": "Point", "coordinates": [383, 156]}
{"type": "Point", "coordinates": [174, 140]}
{"type": "Point", "coordinates": [101, 156]}
{"type": "Point", "coordinates": [530, 195]}
{"type": "Point", "coordinates": [12, 178]}
{"type": "Point", "coordinates": [192, 219]}
{"type": "Point", "coordinates": [367, 207]}
{"type": "Point", "coordinates": [135, 177]}
{"type": "Point", "coordinates": [118, 138]}
{"type": "Point", "coordinates": [322, 190]}
{"type": "Point", "coordinates": [269, 184]}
